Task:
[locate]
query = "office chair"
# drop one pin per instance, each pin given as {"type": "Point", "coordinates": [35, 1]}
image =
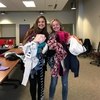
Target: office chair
{"type": "Point", "coordinates": [2, 42]}
{"type": "Point", "coordinates": [2, 46]}
{"type": "Point", "coordinates": [88, 46]}
{"type": "Point", "coordinates": [97, 56]}
{"type": "Point", "coordinates": [10, 42]}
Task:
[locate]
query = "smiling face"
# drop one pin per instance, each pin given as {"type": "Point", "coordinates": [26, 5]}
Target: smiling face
{"type": "Point", "coordinates": [41, 23]}
{"type": "Point", "coordinates": [56, 26]}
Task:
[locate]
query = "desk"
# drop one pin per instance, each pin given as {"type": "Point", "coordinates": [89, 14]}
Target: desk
{"type": "Point", "coordinates": [11, 64]}
{"type": "Point", "coordinates": [2, 50]}
{"type": "Point", "coordinates": [16, 50]}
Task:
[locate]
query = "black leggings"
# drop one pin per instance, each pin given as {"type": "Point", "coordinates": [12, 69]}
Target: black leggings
{"type": "Point", "coordinates": [38, 79]}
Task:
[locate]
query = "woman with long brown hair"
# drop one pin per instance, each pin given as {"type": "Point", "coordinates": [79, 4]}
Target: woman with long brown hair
{"type": "Point", "coordinates": [39, 27]}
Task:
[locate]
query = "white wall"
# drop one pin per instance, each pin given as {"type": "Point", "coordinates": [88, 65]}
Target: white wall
{"type": "Point", "coordinates": [8, 30]}
{"type": "Point", "coordinates": [79, 19]}
{"type": "Point", "coordinates": [66, 17]}
{"type": "Point", "coordinates": [92, 21]}
{"type": "Point", "coordinates": [88, 20]}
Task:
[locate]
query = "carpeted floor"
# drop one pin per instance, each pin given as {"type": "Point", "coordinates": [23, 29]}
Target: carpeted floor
{"type": "Point", "coordinates": [84, 87]}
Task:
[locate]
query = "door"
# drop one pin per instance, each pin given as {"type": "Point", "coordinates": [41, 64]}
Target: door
{"type": "Point", "coordinates": [22, 31]}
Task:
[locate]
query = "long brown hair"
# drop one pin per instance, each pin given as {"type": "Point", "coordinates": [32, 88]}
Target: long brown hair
{"type": "Point", "coordinates": [36, 29]}
{"type": "Point", "coordinates": [61, 27]}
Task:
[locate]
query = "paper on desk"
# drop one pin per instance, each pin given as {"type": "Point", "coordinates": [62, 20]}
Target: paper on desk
{"type": "Point", "coordinates": [3, 68]}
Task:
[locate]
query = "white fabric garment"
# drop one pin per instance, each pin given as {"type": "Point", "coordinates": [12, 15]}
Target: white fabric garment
{"type": "Point", "coordinates": [30, 52]}
{"type": "Point", "coordinates": [30, 49]}
{"type": "Point", "coordinates": [75, 47]}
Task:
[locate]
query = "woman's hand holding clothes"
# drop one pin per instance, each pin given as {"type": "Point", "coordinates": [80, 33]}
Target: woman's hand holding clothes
{"type": "Point", "coordinates": [39, 38]}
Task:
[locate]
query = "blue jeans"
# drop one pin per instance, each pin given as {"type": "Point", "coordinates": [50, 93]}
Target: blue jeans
{"type": "Point", "coordinates": [53, 84]}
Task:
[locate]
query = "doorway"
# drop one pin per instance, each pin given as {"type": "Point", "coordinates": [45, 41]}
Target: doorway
{"type": "Point", "coordinates": [22, 31]}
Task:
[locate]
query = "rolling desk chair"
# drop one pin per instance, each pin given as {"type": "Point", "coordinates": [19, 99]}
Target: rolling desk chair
{"type": "Point", "coordinates": [10, 42]}
{"type": "Point", "coordinates": [97, 56]}
{"type": "Point", "coordinates": [2, 42]}
{"type": "Point", "coordinates": [88, 46]}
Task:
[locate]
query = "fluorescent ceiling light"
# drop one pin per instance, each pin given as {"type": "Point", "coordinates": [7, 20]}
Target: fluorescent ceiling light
{"type": "Point", "coordinates": [29, 3]}
{"type": "Point", "coordinates": [2, 5]}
